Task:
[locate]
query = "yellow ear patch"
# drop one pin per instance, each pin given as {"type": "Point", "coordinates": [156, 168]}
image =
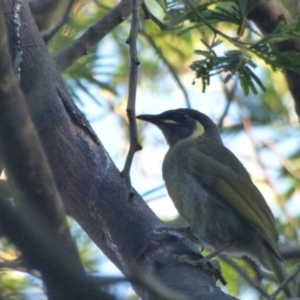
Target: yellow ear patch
{"type": "Point", "coordinates": [198, 131]}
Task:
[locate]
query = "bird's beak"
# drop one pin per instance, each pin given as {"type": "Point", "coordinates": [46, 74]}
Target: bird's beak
{"type": "Point", "coordinates": [154, 119]}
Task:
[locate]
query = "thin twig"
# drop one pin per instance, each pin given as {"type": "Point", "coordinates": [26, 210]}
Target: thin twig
{"type": "Point", "coordinates": [225, 112]}
{"type": "Point", "coordinates": [149, 15]}
{"type": "Point", "coordinates": [153, 190]}
{"type": "Point", "coordinates": [286, 282]}
{"type": "Point", "coordinates": [213, 29]}
{"type": "Point", "coordinates": [12, 264]}
{"type": "Point", "coordinates": [48, 34]}
{"type": "Point", "coordinates": [21, 265]}
{"type": "Point", "coordinates": [229, 92]}
{"type": "Point", "coordinates": [133, 77]}
{"type": "Point", "coordinates": [260, 273]}
{"type": "Point", "coordinates": [169, 65]}
{"type": "Point", "coordinates": [101, 5]}
{"type": "Point", "coordinates": [143, 280]}
{"type": "Point", "coordinates": [242, 272]}
{"type": "Point", "coordinates": [156, 197]}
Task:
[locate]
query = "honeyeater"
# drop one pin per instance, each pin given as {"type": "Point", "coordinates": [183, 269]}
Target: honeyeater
{"type": "Point", "coordinates": [214, 193]}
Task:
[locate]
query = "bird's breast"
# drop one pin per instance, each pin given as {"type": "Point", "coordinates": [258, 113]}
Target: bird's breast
{"type": "Point", "coordinates": [189, 195]}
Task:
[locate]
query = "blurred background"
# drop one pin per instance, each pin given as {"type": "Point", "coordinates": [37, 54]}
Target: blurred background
{"type": "Point", "coordinates": [258, 124]}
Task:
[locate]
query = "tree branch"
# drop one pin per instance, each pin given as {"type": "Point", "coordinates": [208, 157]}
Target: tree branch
{"type": "Point", "coordinates": [152, 17]}
{"type": "Point", "coordinates": [145, 281]}
{"type": "Point", "coordinates": [290, 252]}
{"type": "Point", "coordinates": [22, 153]}
{"type": "Point", "coordinates": [133, 77]}
{"type": "Point", "coordinates": [49, 33]}
{"type": "Point", "coordinates": [37, 198]}
{"type": "Point", "coordinates": [285, 283]}
{"type": "Point", "coordinates": [93, 35]}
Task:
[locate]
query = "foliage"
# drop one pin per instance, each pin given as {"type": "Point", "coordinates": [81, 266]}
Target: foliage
{"type": "Point", "coordinates": [242, 36]}
{"type": "Point", "coordinates": [233, 62]}
{"type": "Point", "coordinates": [12, 285]}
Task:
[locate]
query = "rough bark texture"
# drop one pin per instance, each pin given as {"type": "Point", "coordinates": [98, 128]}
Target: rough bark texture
{"type": "Point", "coordinates": [37, 223]}
{"type": "Point", "coordinates": [90, 184]}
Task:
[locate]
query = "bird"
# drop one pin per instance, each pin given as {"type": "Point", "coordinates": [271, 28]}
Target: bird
{"type": "Point", "coordinates": [214, 192]}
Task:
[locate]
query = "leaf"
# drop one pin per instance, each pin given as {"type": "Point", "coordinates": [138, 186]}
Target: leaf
{"type": "Point", "coordinates": [234, 62]}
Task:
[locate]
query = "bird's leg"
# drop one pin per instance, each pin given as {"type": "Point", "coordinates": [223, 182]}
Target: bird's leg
{"type": "Point", "coordinates": [206, 259]}
{"type": "Point", "coordinates": [217, 252]}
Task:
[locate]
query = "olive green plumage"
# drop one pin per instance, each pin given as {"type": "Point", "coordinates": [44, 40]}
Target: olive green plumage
{"type": "Point", "coordinates": [213, 191]}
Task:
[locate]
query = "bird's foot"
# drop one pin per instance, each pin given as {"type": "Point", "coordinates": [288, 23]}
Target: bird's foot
{"type": "Point", "coordinates": [209, 266]}
{"type": "Point", "coordinates": [207, 261]}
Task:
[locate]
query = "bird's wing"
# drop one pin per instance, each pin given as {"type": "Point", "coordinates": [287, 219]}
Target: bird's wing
{"type": "Point", "coordinates": [237, 190]}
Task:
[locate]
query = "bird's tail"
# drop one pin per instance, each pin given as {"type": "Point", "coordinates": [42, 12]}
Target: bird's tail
{"type": "Point", "coordinates": [279, 271]}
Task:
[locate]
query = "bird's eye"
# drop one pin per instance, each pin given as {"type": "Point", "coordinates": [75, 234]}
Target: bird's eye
{"type": "Point", "coordinates": [182, 117]}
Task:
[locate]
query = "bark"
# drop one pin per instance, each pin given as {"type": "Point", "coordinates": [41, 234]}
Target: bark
{"type": "Point", "coordinates": [43, 11]}
{"type": "Point", "coordinates": [90, 184]}
{"type": "Point", "coordinates": [93, 35]}
{"type": "Point", "coordinates": [37, 222]}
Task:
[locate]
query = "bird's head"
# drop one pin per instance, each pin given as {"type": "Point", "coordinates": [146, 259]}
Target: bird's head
{"type": "Point", "coordinates": [179, 124]}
